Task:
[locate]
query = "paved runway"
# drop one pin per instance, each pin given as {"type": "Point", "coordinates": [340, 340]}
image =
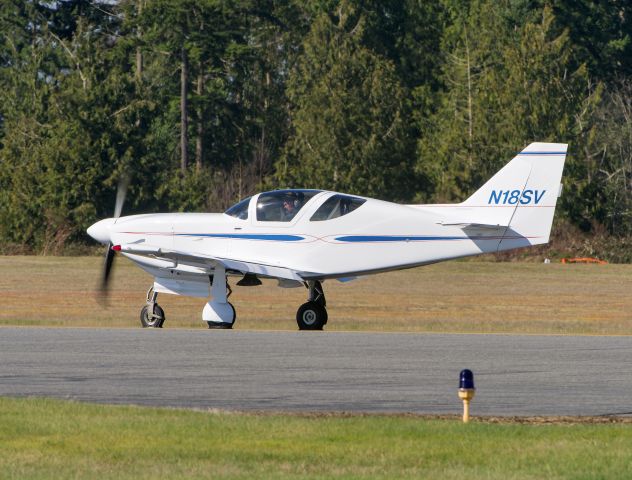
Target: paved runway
{"type": "Point", "coordinates": [320, 371]}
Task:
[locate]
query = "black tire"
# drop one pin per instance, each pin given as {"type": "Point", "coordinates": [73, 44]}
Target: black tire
{"type": "Point", "coordinates": [219, 325]}
{"type": "Point", "coordinates": [224, 325]}
{"type": "Point", "coordinates": [146, 322]}
{"type": "Point", "coordinates": [311, 316]}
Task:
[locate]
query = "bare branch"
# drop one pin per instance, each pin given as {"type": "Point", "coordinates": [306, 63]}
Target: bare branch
{"type": "Point", "coordinates": [74, 59]}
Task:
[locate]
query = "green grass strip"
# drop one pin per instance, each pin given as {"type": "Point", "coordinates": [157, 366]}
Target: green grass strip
{"type": "Point", "coordinates": [42, 438]}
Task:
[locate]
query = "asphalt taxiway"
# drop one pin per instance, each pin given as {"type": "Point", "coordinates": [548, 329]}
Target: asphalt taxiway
{"type": "Point", "coordinates": [320, 371]}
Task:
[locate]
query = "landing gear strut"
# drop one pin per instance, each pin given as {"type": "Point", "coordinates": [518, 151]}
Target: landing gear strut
{"type": "Point", "coordinates": [152, 315]}
{"type": "Point", "coordinates": [219, 312]}
{"type": "Point", "coordinates": [313, 314]}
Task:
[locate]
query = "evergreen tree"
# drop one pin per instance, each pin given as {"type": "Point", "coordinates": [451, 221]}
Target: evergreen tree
{"type": "Point", "coordinates": [600, 32]}
{"type": "Point", "coordinates": [504, 88]}
{"type": "Point", "coordinates": [56, 138]}
{"type": "Point", "coordinates": [600, 193]}
{"type": "Point", "coordinates": [348, 132]}
{"type": "Point", "coordinates": [462, 134]}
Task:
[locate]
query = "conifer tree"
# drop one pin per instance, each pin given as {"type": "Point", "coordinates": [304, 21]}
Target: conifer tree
{"type": "Point", "coordinates": [463, 132]}
{"type": "Point", "coordinates": [348, 131]}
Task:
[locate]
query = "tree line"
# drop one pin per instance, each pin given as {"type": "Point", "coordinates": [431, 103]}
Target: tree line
{"type": "Point", "coordinates": [204, 102]}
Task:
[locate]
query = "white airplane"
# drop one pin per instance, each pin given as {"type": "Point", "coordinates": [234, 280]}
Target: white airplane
{"type": "Point", "coordinates": [303, 237]}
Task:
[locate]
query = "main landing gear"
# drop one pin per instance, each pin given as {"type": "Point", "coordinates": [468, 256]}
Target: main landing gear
{"type": "Point", "coordinates": [219, 312]}
{"type": "Point", "coordinates": [313, 314]}
{"type": "Point", "coordinates": [152, 315]}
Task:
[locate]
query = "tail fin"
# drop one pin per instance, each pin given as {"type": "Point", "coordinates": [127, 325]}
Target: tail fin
{"type": "Point", "coordinates": [522, 196]}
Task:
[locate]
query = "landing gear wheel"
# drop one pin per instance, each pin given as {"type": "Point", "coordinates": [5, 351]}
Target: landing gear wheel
{"type": "Point", "coordinates": [224, 325]}
{"type": "Point", "coordinates": [311, 316]}
{"type": "Point", "coordinates": [154, 321]}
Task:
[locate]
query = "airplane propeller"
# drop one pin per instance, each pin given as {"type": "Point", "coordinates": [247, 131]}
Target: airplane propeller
{"type": "Point", "coordinates": [121, 193]}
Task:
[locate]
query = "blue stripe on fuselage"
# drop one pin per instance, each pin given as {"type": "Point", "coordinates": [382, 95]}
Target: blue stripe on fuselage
{"type": "Point", "coordinates": [245, 236]}
{"type": "Point", "coordinates": [385, 238]}
{"type": "Point", "coordinates": [343, 239]}
{"type": "Point", "coordinates": [542, 153]}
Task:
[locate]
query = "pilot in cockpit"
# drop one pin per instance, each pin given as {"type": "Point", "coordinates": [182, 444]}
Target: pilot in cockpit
{"type": "Point", "coordinates": [292, 203]}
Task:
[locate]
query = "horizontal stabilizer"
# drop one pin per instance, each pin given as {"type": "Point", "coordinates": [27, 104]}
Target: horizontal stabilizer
{"type": "Point", "coordinates": [486, 226]}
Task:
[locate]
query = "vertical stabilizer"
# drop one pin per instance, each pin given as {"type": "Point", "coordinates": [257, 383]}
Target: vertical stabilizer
{"type": "Point", "coordinates": [522, 195]}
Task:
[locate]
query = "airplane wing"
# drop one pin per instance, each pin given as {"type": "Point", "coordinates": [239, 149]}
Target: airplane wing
{"type": "Point", "coordinates": [200, 259]}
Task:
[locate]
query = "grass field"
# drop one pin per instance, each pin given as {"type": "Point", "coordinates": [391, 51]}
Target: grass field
{"type": "Point", "coordinates": [55, 439]}
{"type": "Point", "coordinates": [42, 438]}
{"type": "Point", "coordinates": [461, 296]}
{"type": "Point", "coordinates": [452, 297]}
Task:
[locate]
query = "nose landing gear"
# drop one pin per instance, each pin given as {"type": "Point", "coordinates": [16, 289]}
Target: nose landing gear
{"type": "Point", "coordinates": [152, 315]}
{"type": "Point", "coordinates": [312, 315]}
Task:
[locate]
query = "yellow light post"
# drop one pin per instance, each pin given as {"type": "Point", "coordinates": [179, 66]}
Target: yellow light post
{"type": "Point", "coordinates": [466, 392]}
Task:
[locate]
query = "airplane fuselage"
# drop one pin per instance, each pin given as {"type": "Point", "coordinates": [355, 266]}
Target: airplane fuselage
{"type": "Point", "coordinates": [379, 236]}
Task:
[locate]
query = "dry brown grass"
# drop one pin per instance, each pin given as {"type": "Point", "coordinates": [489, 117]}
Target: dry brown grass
{"type": "Point", "coordinates": [449, 297]}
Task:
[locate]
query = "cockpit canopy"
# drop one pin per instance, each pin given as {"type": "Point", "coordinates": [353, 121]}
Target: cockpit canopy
{"type": "Point", "coordinates": [240, 209]}
{"type": "Point", "coordinates": [282, 205]}
{"type": "Point", "coordinates": [336, 206]}
{"type": "Point", "coordinates": [275, 206]}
